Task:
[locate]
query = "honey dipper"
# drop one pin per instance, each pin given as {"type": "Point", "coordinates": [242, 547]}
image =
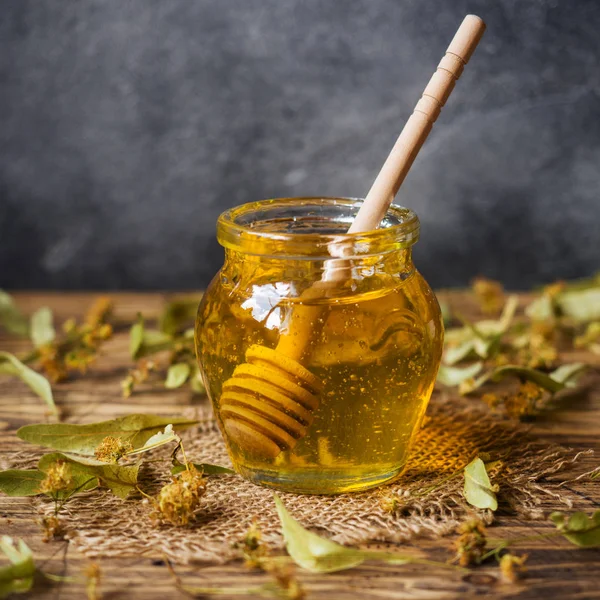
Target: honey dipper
{"type": "Point", "coordinates": [268, 403]}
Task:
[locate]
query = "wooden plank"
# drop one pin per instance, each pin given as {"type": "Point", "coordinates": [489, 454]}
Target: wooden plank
{"type": "Point", "coordinates": [555, 569]}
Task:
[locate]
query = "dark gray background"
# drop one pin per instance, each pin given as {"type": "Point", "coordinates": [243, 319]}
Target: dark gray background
{"type": "Point", "coordinates": [126, 127]}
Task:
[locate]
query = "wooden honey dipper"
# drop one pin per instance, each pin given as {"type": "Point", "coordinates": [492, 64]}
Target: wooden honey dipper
{"type": "Point", "coordinates": [268, 403]}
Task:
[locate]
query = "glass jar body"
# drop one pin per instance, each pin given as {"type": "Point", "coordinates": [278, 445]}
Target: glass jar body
{"type": "Point", "coordinates": [372, 340]}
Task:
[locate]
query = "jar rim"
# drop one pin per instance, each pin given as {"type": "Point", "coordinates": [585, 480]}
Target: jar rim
{"type": "Point", "coordinates": [308, 227]}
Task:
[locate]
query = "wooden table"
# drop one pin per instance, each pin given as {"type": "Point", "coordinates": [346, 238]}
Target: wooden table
{"type": "Point", "coordinates": [556, 569]}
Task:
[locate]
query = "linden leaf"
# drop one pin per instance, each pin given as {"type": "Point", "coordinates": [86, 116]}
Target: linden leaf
{"type": "Point", "coordinates": [41, 329]}
{"type": "Point", "coordinates": [158, 439]}
{"type": "Point", "coordinates": [11, 317]}
{"type": "Point", "coordinates": [83, 439]}
{"type": "Point", "coordinates": [177, 375]}
{"type": "Point", "coordinates": [452, 376]}
{"type": "Point", "coordinates": [11, 365]}
{"type": "Point", "coordinates": [541, 309]}
{"type": "Point", "coordinates": [143, 342]}
{"type": "Point", "coordinates": [311, 551]}
{"type": "Point", "coordinates": [178, 313]}
{"type": "Point", "coordinates": [15, 482]}
{"type": "Point", "coordinates": [564, 376]}
{"type": "Point", "coordinates": [479, 491]}
{"type": "Point", "coordinates": [320, 555]}
{"type": "Point", "coordinates": [579, 529]}
{"type": "Point", "coordinates": [446, 312]}
{"type": "Point", "coordinates": [136, 337]}
{"type": "Point", "coordinates": [568, 374]}
{"type": "Point", "coordinates": [580, 305]}
{"type": "Point", "coordinates": [121, 480]}
{"type": "Point", "coordinates": [458, 353]}
{"type": "Point", "coordinates": [196, 382]}
{"type": "Point", "coordinates": [482, 338]}
{"type": "Point", "coordinates": [16, 578]}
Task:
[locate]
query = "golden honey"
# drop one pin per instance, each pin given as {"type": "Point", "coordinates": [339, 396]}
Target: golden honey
{"type": "Point", "coordinates": [318, 389]}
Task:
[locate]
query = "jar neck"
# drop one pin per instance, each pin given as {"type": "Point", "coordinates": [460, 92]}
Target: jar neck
{"type": "Point", "coordinates": [361, 274]}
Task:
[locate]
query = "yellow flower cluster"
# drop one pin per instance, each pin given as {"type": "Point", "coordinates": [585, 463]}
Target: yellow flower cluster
{"type": "Point", "coordinates": [470, 546]}
{"type": "Point", "coordinates": [111, 449]}
{"type": "Point", "coordinates": [178, 500]}
{"type": "Point", "coordinates": [58, 478]}
{"type": "Point", "coordinates": [79, 347]}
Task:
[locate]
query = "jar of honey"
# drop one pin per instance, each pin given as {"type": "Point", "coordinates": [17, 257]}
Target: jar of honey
{"type": "Point", "coordinates": [318, 387]}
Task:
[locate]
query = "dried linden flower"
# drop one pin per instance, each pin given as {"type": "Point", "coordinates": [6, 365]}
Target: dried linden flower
{"type": "Point", "coordinates": [252, 548]}
{"type": "Point", "coordinates": [512, 567]}
{"type": "Point", "coordinates": [524, 402]}
{"type": "Point", "coordinates": [99, 312]}
{"type": "Point", "coordinates": [489, 293]}
{"type": "Point", "coordinates": [111, 449]}
{"type": "Point", "coordinates": [53, 528]}
{"type": "Point", "coordinates": [390, 503]}
{"type": "Point", "coordinates": [92, 574]}
{"type": "Point", "coordinates": [470, 546]}
{"type": "Point", "coordinates": [178, 500]}
{"type": "Point", "coordinates": [285, 578]}
{"type": "Point", "coordinates": [137, 375]}
{"type": "Point", "coordinates": [58, 478]}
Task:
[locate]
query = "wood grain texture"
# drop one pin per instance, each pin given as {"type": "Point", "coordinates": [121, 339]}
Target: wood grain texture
{"type": "Point", "coordinates": [556, 570]}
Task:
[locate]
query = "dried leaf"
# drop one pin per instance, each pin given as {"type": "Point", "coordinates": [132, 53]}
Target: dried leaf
{"type": "Point", "coordinates": [177, 375]}
{"type": "Point", "coordinates": [178, 313]}
{"type": "Point", "coordinates": [579, 529]}
{"type": "Point", "coordinates": [452, 376]}
{"type": "Point", "coordinates": [196, 382]}
{"type": "Point", "coordinates": [83, 439]}
{"type": "Point", "coordinates": [446, 312]}
{"type": "Point", "coordinates": [144, 342]}
{"type": "Point", "coordinates": [136, 337]}
{"type": "Point", "coordinates": [16, 578]}
{"type": "Point", "coordinates": [541, 309]}
{"type": "Point", "coordinates": [11, 365]}
{"type": "Point", "coordinates": [41, 328]}
{"type": "Point", "coordinates": [580, 305]}
{"type": "Point", "coordinates": [482, 338]}
{"type": "Point", "coordinates": [158, 439]}
{"type": "Point", "coordinates": [320, 555]}
{"type": "Point", "coordinates": [121, 480]}
{"type": "Point", "coordinates": [458, 353]}
{"type": "Point", "coordinates": [312, 552]}
{"type": "Point", "coordinates": [11, 317]}
{"type": "Point", "coordinates": [15, 482]}
{"type": "Point", "coordinates": [564, 376]}
{"type": "Point", "coordinates": [478, 490]}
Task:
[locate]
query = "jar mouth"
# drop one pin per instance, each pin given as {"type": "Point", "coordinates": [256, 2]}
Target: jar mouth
{"type": "Point", "coordinates": [309, 228]}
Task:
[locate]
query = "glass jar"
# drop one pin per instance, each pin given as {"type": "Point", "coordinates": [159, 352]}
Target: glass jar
{"type": "Point", "coordinates": [319, 368]}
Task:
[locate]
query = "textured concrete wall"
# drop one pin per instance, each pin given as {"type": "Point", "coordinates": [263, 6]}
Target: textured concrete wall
{"type": "Point", "coordinates": [126, 127]}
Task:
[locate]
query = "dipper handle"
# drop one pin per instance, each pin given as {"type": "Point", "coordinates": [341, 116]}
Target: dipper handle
{"type": "Point", "coordinates": [417, 128]}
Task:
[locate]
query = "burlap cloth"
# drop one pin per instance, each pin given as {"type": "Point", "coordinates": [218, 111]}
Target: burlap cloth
{"type": "Point", "coordinates": [101, 525]}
